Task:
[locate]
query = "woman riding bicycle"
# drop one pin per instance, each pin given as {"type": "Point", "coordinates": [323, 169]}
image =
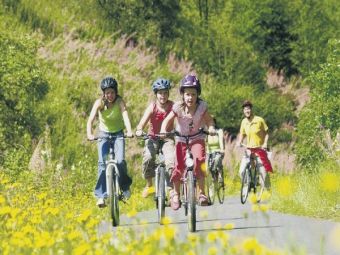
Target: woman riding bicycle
{"type": "Point", "coordinates": [215, 143]}
{"type": "Point", "coordinates": [191, 115]}
{"type": "Point", "coordinates": [154, 114]}
{"type": "Point", "coordinates": [256, 130]}
{"type": "Point", "coordinates": [113, 117]}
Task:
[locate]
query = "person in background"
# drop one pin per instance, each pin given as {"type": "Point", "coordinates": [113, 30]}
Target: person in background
{"type": "Point", "coordinates": [255, 129]}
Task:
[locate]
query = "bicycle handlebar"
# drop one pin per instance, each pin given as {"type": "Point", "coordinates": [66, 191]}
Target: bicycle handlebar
{"type": "Point", "coordinates": [110, 137]}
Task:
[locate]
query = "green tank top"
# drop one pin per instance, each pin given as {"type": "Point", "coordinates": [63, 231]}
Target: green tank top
{"type": "Point", "coordinates": [111, 120]}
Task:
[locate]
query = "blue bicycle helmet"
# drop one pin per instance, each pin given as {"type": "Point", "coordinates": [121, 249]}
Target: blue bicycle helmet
{"type": "Point", "coordinates": [160, 83]}
{"type": "Point", "coordinates": [190, 81]}
{"type": "Point", "coordinates": [109, 82]}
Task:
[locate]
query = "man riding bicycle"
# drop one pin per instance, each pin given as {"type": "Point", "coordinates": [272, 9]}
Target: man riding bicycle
{"type": "Point", "coordinates": [256, 130]}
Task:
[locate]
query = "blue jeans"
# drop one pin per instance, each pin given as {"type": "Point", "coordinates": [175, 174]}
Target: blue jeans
{"type": "Point", "coordinates": [119, 151]}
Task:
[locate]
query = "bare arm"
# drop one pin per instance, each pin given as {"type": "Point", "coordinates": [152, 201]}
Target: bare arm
{"type": "Point", "coordinates": [145, 119]}
{"type": "Point", "coordinates": [168, 119]}
{"type": "Point", "coordinates": [126, 119]}
{"type": "Point", "coordinates": [240, 139]}
{"type": "Point", "coordinates": [209, 121]}
{"type": "Point", "coordinates": [265, 143]}
{"type": "Point", "coordinates": [96, 106]}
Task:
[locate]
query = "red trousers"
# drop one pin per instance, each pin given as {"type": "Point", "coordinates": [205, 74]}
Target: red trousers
{"type": "Point", "coordinates": [198, 152]}
{"type": "Point", "coordinates": [262, 154]}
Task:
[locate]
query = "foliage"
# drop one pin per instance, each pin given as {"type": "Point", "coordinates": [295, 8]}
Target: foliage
{"type": "Point", "coordinates": [323, 111]}
{"type": "Point", "coordinates": [22, 88]}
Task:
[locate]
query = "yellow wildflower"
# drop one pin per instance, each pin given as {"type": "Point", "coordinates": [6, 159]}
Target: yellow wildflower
{"type": "Point", "coordinates": [132, 213]}
{"type": "Point", "coordinates": [212, 251]}
{"type": "Point", "coordinates": [2, 199]}
{"type": "Point", "coordinates": [252, 198]}
{"type": "Point", "coordinates": [193, 239]}
{"type": "Point", "coordinates": [229, 226]}
{"type": "Point", "coordinates": [285, 187]}
{"type": "Point", "coordinates": [83, 248]}
{"type": "Point", "coordinates": [42, 195]}
{"type": "Point", "coordinates": [264, 207]}
{"type": "Point", "coordinates": [169, 232]}
{"type": "Point", "coordinates": [329, 182]}
{"type": "Point", "coordinates": [212, 236]}
{"type": "Point", "coordinates": [166, 220]}
{"type": "Point", "coordinates": [73, 235]}
{"type": "Point", "coordinates": [265, 195]}
{"type": "Point", "coordinates": [252, 245]}
{"type": "Point", "coordinates": [84, 215]}
{"type": "Point", "coordinates": [255, 208]}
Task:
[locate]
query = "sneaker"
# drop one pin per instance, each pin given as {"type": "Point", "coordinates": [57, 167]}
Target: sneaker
{"type": "Point", "coordinates": [203, 200]}
{"type": "Point", "coordinates": [101, 202]}
{"type": "Point", "coordinates": [147, 191]}
{"type": "Point", "coordinates": [126, 194]}
{"type": "Point", "coordinates": [174, 200]}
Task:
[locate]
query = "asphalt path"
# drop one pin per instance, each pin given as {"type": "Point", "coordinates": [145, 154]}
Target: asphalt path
{"type": "Point", "coordinates": [274, 230]}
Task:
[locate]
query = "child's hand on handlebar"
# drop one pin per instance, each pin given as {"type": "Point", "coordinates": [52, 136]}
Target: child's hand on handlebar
{"type": "Point", "coordinates": [212, 131]}
{"type": "Point", "coordinates": [90, 137]}
{"type": "Point", "coordinates": [139, 133]}
{"type": "Point", "coordinates": [129, 134]}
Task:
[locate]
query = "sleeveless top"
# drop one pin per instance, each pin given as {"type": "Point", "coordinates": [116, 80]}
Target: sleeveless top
{"type": "Point", "coordinates": [111, 120]}
{"type": "Point", "coordinates": [187, 125]}
{"type": "Point", "coordinates": [213, 141]}
{"type": "Point", "coordinates": [157, 118]}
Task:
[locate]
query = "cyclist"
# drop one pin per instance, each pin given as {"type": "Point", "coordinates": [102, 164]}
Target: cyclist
{"type": "Point", "coordinates": [215, 143]}
{"type": "Point", "coordinates": [256, 130]}
{"type": "Point", "coordinates": [113, 117]}
{"type": "Point", "coordinates": [191, 114]}
{"type": "Point", "coordinates": [154, 114]}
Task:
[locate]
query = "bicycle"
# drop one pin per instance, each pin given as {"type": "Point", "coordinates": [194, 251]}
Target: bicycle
{"type": "Point", "coordinates": [188, 187]}
{"type": "Point", "coordinates": [215, 180]}
{"type": "Point", "coordinates": [251, 178]}
{"type": "Point", "coordinates": [160, 177]}
{"type": "Point", "coordinates": [114, 192]}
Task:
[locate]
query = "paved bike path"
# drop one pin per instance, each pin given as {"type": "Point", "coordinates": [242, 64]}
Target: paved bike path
{"type": "Point", "coordinates": [275, 230]}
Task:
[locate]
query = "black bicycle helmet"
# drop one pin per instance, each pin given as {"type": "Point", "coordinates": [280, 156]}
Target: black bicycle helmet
{"type": "Point", "coordinates": [190, 81]}
{"type": "Point", "coordinates": [109, 82]}
{"type": "Point", "coordinates": [160, 83]}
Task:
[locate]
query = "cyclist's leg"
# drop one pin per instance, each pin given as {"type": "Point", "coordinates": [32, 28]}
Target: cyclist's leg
{"type": "Point", "coordinates": [244, 162]}
{"type": "Point", "coordinates": [169, 158]}
{"type": "Point", "coordinates": [198, 153]}
{"type": "Point", "coordinates": [100, 188]}
{"type": "Point", "coordinates": [119, 149]}
{"type": "Point", "coordinates": [149, 156]}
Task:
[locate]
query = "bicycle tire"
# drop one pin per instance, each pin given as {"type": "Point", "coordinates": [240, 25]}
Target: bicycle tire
{"type": "Point", "coordinates": [115, 211]}
{"type": "Point", "coordinates": [191, 202]}
{"type": "Point", "coordinates": [220, 185]}
{"type": "Point", "coordinates": [245, 185]}
{"type": "Point", "coordinates": [113, 198]}
{"type": "Point", "coordinates": [161, 195]}
{"type": "Point", "coordinates": [210, 186]}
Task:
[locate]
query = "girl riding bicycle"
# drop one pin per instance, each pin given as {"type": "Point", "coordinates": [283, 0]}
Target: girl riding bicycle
{"type": "Point", "coordinates": [215, 143]}
{"type": "Point", "coordinates": [113, 117]}
{"type": "Point", "coordinates": [154, 114]}
{"type": "Point", "coordinates": [191, 115]}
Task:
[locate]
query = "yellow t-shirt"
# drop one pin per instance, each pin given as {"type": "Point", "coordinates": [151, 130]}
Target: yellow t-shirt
{"type": "Point", "coordinates": [255, 130]}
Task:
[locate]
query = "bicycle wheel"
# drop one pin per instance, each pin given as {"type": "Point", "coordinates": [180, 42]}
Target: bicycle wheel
{"type": "Point", "coordinates": [113, 198]}
{"type": "Point", "coordinates": [220, 185]}
{"type": "Point", "coordinates": [210, 186]}
{"type": "Point", "coordinates": [191, 202]}
{"type": "Point", "coordinates": [161, 195]}
{"type": "Point", "coordinates": [245, 186]}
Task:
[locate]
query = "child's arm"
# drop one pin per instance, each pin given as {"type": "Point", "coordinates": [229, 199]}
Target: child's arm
{"type": "Point", "coordinates": [145, 119]}
{"type": "Point", "coordinates": [94, 111]}
{"type": "Point", "coordinates": [168, 119]}
{"type": "Point", "coordinates": [126, 119]}
{"type": "Point", "coordinates": [209, 122]}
